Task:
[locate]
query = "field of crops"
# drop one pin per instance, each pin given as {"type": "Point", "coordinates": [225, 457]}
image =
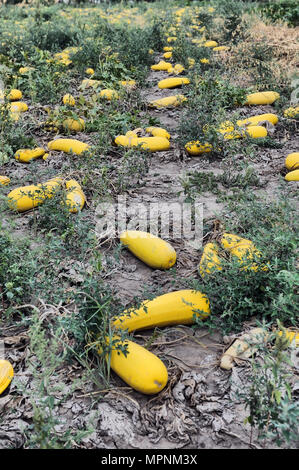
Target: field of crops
{"type": "Point", "coordinates": [149, 168]}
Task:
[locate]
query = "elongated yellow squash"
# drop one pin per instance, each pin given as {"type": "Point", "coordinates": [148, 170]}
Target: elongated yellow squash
{"type": "Point", "coordinates": [196, 148]}
{"type": "Point", "coordinates": [210, 44]}
{"type": "Point", "coordinates": [75, 198]}
{"type": "Point", "coordinates": [27, 197]}
{"type": "Point", "coordinates": [173, 82]}
{"type": "Point", "coordinates": [162, 65]}
{"type": "Point", "coordinates": [68, 146]}
{"type": "Point", "coordinates": [4, 180]}
{"type": "Point", "coordinates": [158, 132]}
{"type": "Point", "coordinates": [139, 368]}
{"type": "Point", "coordinates": [256, 132]}
{"type": "Point", "coordinates": [6, 374]}
{"type": "Point", "coordinates": [18, 107]}
{"type": "Point", "coordinates": [167, 55]}
{"type": "Point", "coordinates": [210, 261]}
{"type": "Point", "coordinates": [26, 155]}
{"type": "Point", "coordinates": [262, 97]}
{"type": "Point", "coordinates": [154, 144]}
{"type": "Point", "coordinates": [75, 125]}
{"type": "Point", "coordinates": [152, 250]}
{"type": "Point", "coordinates": [220, 48]}
{"type": "Point", "coordinates": [292, 161]}
{"type": "Point", "coordinates": [292, 176]}
{"type": "Point", "coordinates": [254, 120]}
{"type": "Point", "coordinates": [173, 308]}
{"type": "Point", "coordinates": [168, 101]}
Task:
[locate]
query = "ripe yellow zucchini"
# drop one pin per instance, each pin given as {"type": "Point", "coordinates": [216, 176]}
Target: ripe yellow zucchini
{"type": "Point", "coordinates": [27, 197]}
{"type": "Point", "coordinates": [174, 308]}
{"type": "Point", "coordinates": [140, 369]}
{"type": "Point", "coordinates": [6, 374]}
{"type": "Point", "coordinates": [154, 144]}
{"type": "Point", "coordinates": [173, 82]}
{"type": "Point", "coordinates": [75, 198]}
{"type": "Point", "coordinates": [210, 261]}
{"type": "Point", "coordinates": [68, 145]}
{"type": "Point", "coordinates": [15, 95]}
{"type": "Point", "coordinates": [75, 125]}
{"type": "Point", "coordinates": [158, 132]}
{"type": "Point", "coordinates": [196, 148]}
{"type": "Point", "coordinates": [170, 101]}
{"type": "Point", "coordinates": [292, 161]}
{"type": "Point", "coordinates": [152, 250]}
{"type": "Point", "coordinates": [162, 65]}
{"type": "Point", "coordinates": [292, 176]}
{"type": "Point", "coordinates": [254, 120]}
{"type": "Point", "coordinates": [263, 97]}
{"type": "Point", "coordinates": [210, 44]}
{"type": "Point", "coordinates": [26, 155]}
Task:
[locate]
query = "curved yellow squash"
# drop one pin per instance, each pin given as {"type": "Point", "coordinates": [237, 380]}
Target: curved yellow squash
{"type": "Point", "coordinates": [4, 180]}
{"type": "Point", "coordinates": [262, 97]}
{"type": "Point", "coordinates": [152, 250]}
{"type": "Point", "coordinates": [256, 132]}
{"type": "Point", "coordinates": [26, 155]}
{"type": "Point", "coordinates": [196, 148]}
{"type": "Point", "coordinates": [6, 374]}
{"type": "Point", "coordinates": [140, 369]}
{"type": "Point", "coordinates": [210, 261]}
{"type": "Point", "coordinates": [173, 82]}
{"type": "Point", "coordinates": [292, 161]}
{"type": "Point", "coordinates": [158, 132]}
{"type": "Point", "coordinates": [254, 120]}
{"type": "Point", "coordinates": [292, 176]}
{"type": "Point", "coordinates": [68, 145]}
{"type": "Point", "coordinates": [27, 197]}
{"type": "Point", "coordinates": [75, 198]}
{"type": "Point", "coordinates": [210, 44]}
{"type": "Point", "coordinates": [171, 101]}
{"type": "Point", "coordinates": [174, 308]}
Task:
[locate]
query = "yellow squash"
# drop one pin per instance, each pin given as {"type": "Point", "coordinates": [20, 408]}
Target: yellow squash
{"type": "Point", "coordinates": [210, 44]}
{"type": "Point", "coordinates": [153, 144]}
{"type": "Point", "coordinates": [158, 132]}
{"type": "Point", "coordinates": [162, 65]}
{"type": "Point", "coordinates": [6, 374]}
{"type": "Point", "coordinates": [173, 82]}
{"type": "Point", "coordinates": [167, 55]}
{"type": "Point", "coordinates": [242, 249]}
{"type": "Point", "coordinates": [168, 101]}
{"type": "Point", "coordinates": [210, 261]}
{"type": "Point", "coordinates": [174, 308]}
{"type": "Point", "coordinates": [75, 125]}
{"type": "Point", "coordinates": [109, 94]}
{"type": "Point", "coordinates": [292, 161]}
{"type": "Point", "coordinates": [254, 120]}
{"type": "Point", "coordinates": [139, 368]}
{"type": "Point", "coordinates": [15, 95]}
{"type": "Point", "coordinates": [75, 198]}
{"type": "Point", "coordinates": [196, 148]}
{"type": "Point", "coordinates": [263, 97]}
{"type": "Point", "coordinates": [89, 71]}
{"type": "Point", "coordinates": [25, 198]}
{"type": "Point", "coordinates": [4, 180]}
{"type": "Point", "coordinates": [152, 250]}
{"type": "Point", "coordinates": [68, 146]}
{"type": "Point", "coordinates": [256, 132]}
{"type": "Point", "coordinates": [26, 155]}
{"type": "Point", "coordinates": [292, 176]}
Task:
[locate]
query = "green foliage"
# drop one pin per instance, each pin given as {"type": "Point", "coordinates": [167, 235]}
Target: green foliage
{"type": "Point", "coordinates": [281, 11]}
